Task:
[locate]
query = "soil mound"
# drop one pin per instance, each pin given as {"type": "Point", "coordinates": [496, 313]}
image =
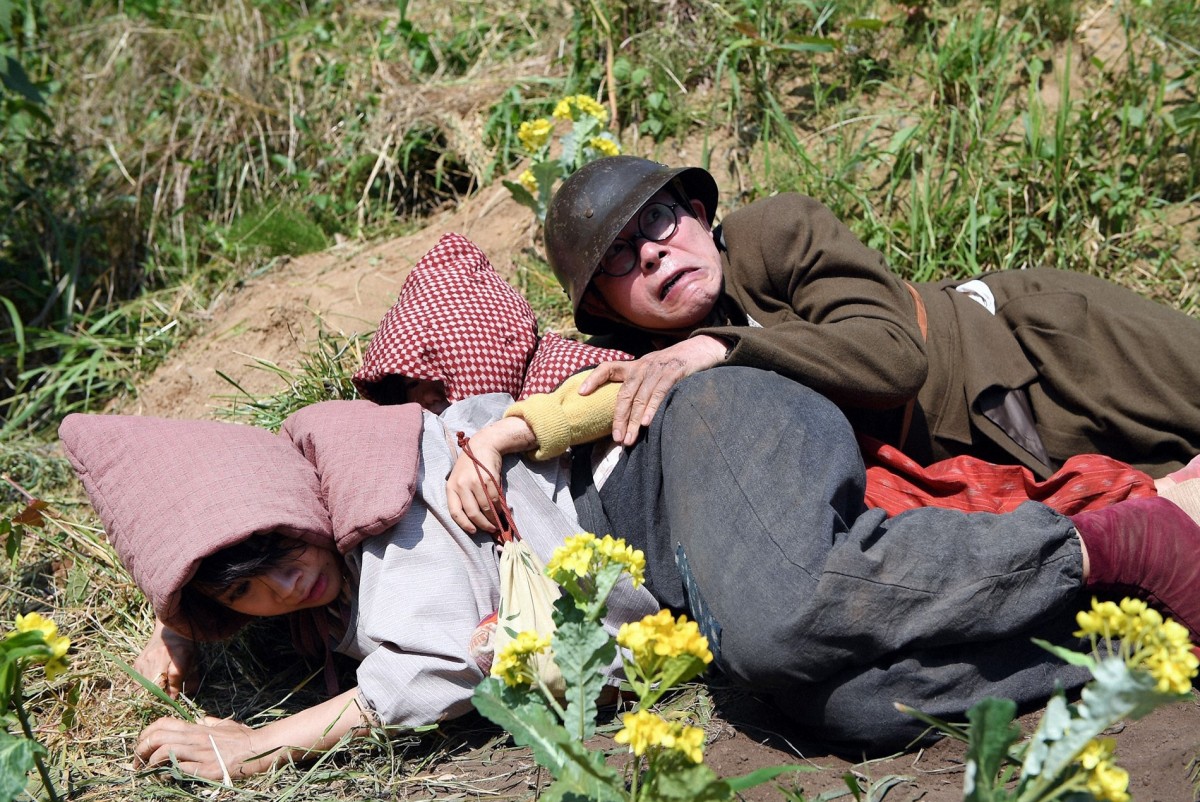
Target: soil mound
{"type": "Point", "coordinates": [276, 317]}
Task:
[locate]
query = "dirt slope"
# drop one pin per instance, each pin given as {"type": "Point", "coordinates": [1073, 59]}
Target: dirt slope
{"type": "Point", "coordinates": [346, 289]}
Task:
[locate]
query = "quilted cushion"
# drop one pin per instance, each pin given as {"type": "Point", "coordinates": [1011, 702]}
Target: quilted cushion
{"type": "Point", "coordinates": [366, 457]}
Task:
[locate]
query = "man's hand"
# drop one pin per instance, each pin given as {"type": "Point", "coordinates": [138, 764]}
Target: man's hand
{"type": "Point", "coordinates": [208, 749]}
{"type": "Point", "coordinates": [645, 382]}
{"type": "Point", "coordinates": [168, 659]}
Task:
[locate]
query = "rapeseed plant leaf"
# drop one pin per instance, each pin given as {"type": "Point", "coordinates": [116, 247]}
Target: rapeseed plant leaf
{"type": "Point", "coordinates": [993, 732]}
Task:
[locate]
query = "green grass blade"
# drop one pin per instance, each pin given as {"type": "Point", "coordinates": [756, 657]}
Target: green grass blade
{"type": "Point", "coordinates": [153, 688]}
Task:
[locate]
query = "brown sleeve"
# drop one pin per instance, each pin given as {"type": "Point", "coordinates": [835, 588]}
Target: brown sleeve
{"type": "Point", "coordinates": [833, 315]}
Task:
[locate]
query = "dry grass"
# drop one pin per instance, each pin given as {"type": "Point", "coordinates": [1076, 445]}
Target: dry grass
{"type": "Point", "coordinates": [208, 115]}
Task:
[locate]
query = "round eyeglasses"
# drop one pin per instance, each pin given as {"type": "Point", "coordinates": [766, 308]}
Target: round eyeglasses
{"type": "Point", "coordinates": [655, 223]}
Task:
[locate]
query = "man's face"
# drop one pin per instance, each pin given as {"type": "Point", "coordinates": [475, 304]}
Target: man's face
{"type": "Point", "coordinates": [675, 283]}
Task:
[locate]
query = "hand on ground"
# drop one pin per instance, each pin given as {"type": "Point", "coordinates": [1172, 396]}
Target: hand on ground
{"type": "Point", "coordinates": [168, 659]}
{"type": "Point", "coordinates": [210, 749]}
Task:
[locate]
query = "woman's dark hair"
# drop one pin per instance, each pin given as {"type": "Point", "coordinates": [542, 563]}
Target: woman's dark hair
{"type": "Point", "coordinates": [388, 390]}
{"type": "Point", "coordinates": [255, 555]}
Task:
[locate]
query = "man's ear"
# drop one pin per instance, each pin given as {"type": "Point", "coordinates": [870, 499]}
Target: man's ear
{"type": "Point", "coordinates": [699, 211]}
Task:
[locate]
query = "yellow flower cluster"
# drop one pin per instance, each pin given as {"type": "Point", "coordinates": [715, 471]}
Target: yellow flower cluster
{"type": "Point", "coordinates": [644, 731]}
{"type": "Point", "coordinates": [1106, 781]}
{"type": "Point", "coordinates": [584, 554]}
{"type": "Point", "coordinates": [512, 664]}
{"type": "Point", "coordinates": [527, 180]}
{"type": "Point", "coordinates": [535, 133]}
{"type": "Point", "coordinates": [56, 663]}
{"type": "Point", "coordinates": [659, 637]}
{"type": "Point", "coordinates": [1160, 647]}
{"type": "Point", "coordinates": [566, 108]}
{"type": "Point", "coordinates": [606, 146]}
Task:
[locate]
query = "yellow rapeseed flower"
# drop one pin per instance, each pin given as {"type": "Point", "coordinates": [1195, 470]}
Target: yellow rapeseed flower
{"type": "Point", "coordinates": [573, 557]}
{"type": "Point", "coordinates": [535, 133]}
{"type": "Point", "coordinates": [527, 180]}
{"type": "Point", "coordinates": [1105, 780]}
{"type": "Point", "coordinates": [606, 146]}
{"type": "Point", "coordinates": [1148, 642]}
{"type": "Point", "coordinates": [34, 622]}
{"type": "Point", "coordinates": [566, 107]}
{"type": "Point", "coordinates": [644, 731]}
{"type": "Point", "coordinates": [55, 668]}
{"type": "Point", "coordinates": [616, 550]}
{"type": "Point", "coordinates": [59, 645]}
{"type": "Point", "coordinates": [659, 637]}
{"type": "Point", "coordinates": [584, 554]}
{"type": "Point", "coordinates": [512, 664]}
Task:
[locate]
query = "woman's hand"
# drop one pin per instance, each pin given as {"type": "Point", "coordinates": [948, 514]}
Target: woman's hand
{"type": "Point", "coordinates": [168, 659]}
{"type": "Point", "coordinates": [645, 382]}
{"type": "Point", "coordinates": [216, 746]}
{"type": "Point", "coordinates": [468, 498]}
{"type": "Point", "coordinates": [210, 749]}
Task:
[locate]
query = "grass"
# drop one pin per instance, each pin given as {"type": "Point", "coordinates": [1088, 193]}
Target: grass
{"type": "Point", "coordinates": [178, 151]}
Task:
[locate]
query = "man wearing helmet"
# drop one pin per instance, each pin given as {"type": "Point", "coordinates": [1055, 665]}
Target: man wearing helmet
{"type": "Point", "coordinates": [1022, 367]}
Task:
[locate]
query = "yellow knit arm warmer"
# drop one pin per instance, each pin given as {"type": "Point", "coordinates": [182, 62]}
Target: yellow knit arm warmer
{"type": "Point", "coordinates": [565, 418]}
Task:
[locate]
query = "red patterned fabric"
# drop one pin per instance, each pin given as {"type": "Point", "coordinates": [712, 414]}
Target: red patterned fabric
{"type": "Point", "coordinates": [896, 483]}
{"type": "Point", "coordinates": [456, 321]}
{"type": "Point", "coordinates": [557, 358]}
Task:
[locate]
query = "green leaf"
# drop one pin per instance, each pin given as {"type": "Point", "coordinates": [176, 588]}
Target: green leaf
{"type": "Point", "coordinates": [563, 792]}
{"type": "Point", "coordinates": [1068, 655]}
{"type": "Point", "coordinates": [993, 731]}
{"type": "Point", "coordinates": [765, 774]}
{"type": "Point", "coordinates": [16, 759]}
{"type": "Point", "coordinates": [606, 580]}
{"type": "Point", "coordinates": [687, 783]}
{"type": "Point", "coordinates": [1115, 693]}
{"type": "Point", "coordinates": [582, 650]}
{"type": "Point", "coordinates": [675, 671]}
{"type": "Point", "coordinates": [14, 317]}
{"type": "Point", "coordinates": [7, 675]}
{"type": "Point", "coordinates": [521, 195]}
{"type": "Point", "coordinates": [12, 538]}
{"type": "Point", "coordinates": [14, 79]}
{"type": "Point", "coordinates": [531, 723]}
{"type": "Point", "coordinates": [6, 15]}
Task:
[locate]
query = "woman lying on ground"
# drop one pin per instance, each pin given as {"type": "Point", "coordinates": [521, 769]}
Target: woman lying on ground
{"type": "Point", "coordinates": [340, 521]}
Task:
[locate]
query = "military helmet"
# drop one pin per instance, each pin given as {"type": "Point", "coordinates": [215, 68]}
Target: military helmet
{"type": "Point", "coordinates": [593, 205]}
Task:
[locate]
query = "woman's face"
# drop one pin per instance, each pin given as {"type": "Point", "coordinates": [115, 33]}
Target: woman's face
{"type": "Point", "coordinates": [428, 393]}
{"type": "Point", "coordinates": [310, 576]}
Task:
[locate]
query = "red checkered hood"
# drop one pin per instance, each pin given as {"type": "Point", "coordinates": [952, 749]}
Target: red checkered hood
{"type": "Point", "coordinates": [458, 322]}
{"type": "Point", "coordinates": [556, 358]}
